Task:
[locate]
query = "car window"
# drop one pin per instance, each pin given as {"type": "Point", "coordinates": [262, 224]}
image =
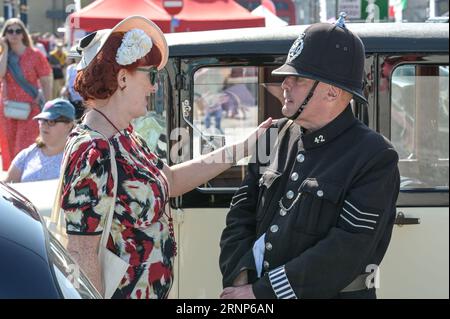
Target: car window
{"type": "Point", "coordinates": [225, 105]}
{"type": "Point", "coordinates": [153, 126]}
{"type": "Point", "coordinates": [72, 282]}
{"type": "Point", "coordinates": [228, 103]}
{"type": "Point", "coordinates": [420, 125]}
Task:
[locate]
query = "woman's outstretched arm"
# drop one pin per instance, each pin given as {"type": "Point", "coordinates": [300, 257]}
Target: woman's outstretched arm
{"type": "Point", "coordinates": [185, 176]}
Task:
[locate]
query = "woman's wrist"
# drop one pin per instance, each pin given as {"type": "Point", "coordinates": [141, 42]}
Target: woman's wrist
{"type": "Point", "coordinates": [230, 154]}
{"type": "Point", "coordinates": [241, 150]}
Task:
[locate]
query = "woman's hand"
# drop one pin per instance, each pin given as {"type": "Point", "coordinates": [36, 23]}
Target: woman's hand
{"type": "Point", "coordinates": [247, 146]}
{"type": "Point", "coordinates": [3, 45]}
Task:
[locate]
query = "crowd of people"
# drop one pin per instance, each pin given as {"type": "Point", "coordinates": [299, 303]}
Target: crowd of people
{"type": "Point", "coordinates": [34, 69]}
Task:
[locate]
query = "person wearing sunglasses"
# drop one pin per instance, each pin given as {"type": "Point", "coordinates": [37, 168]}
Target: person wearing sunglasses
{"type": "Point", "coordinates": [42, 160]}
{"type": "Point", "coordinates": [18, 56]}
{"type": "Point", "coordinates": [116, 75]}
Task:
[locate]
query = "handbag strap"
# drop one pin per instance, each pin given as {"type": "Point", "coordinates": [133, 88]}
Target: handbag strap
{"type": "Point", "coordinates": [16, 72]}
{"type": "Point", "coordinates": [109, 217]}
{"type": "Point", "coordinates": [56, 211]}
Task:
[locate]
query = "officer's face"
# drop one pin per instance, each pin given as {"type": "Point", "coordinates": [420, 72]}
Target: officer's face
{"type": "Point", "coordinates": [295, 90]}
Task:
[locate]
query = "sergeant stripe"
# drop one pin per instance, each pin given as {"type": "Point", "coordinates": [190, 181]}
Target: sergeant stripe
{"type": "Point", "coordinates": [362, 213]}
{"type": "Point", "coordinates": [239, 195]}
{"type": "Point", "coordinates": [241, 200]}
{"type": "Point", "coordinates": [355, 225]}
{"type": "Point", "coordinates": [360, 219]}
{"type": "Point", "coordinates": [280, 284]}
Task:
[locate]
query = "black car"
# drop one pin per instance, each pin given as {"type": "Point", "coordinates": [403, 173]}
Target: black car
{"type": "Point", "coordinates": [33, 264]}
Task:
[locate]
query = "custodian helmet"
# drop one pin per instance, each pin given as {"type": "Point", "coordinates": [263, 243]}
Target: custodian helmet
{"type": "Point", "coordinates": [328, 53]}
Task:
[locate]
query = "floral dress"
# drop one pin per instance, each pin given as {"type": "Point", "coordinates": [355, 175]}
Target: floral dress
{"type": "Point", "coordinates": [140, 231]}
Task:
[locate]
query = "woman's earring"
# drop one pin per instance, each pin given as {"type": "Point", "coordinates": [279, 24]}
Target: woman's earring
{"type": "Point", "coordinates": [124, 79]}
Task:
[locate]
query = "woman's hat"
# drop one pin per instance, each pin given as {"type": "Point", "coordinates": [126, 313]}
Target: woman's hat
{"type": "Point", "coordinates": [91, 44]}
{"type": "Point", "coordinates": [55, 109]}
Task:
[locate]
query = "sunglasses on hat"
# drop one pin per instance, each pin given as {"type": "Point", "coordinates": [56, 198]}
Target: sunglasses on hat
{"type": "Point", "coordinates": [16, 31]}
{"type": "Point", "coordinates": [152, 73]}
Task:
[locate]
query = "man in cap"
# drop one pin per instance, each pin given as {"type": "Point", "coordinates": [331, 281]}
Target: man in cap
{"type": "Point", "coordinates": [317, 220]}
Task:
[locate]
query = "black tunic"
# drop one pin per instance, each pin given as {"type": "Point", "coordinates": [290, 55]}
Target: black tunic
{"type": "Point", "coordinates": [327, 207]}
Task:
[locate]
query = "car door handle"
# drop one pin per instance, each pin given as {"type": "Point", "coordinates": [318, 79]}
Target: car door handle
{"type": "Point", "coordinates": [401, 220]}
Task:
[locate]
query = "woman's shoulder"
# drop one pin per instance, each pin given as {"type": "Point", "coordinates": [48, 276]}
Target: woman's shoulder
{"type": "Point", "coordinates": [87, 144]}
{"type": "Point", "coordinates": [24, 155]}
{"type": "Point", "coordinates": [35, 55]}
{"type": "Point", "coordinates": [33, 148]}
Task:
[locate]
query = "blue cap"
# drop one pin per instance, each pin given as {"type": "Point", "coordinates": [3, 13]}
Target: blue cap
{"type": "Point", "coordinates": [55, 109]}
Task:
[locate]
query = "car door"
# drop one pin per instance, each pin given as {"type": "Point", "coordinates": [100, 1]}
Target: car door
{"type": "Point", "coordinates": [223, 101]}
{"type": "Point", "coordinates": [414, 113]}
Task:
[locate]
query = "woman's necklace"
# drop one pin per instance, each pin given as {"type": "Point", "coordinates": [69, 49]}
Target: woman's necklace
{"type": "Point", "coordinates": [109, 121]}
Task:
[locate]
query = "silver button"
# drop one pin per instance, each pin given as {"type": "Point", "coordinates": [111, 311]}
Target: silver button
{"type": "Point", "coordinates": [266, 265]}
{"type": "Point", "coordinates": [274, 228]}
{"type": "Point", "coordinates": [283, 212]}
{"type": "Point", "coordinates": [290, 195]}
{"type": "Point", "coordinates": [294, 177]}
{"type": "Point", "coordinates": [300, 158]}
{"type": "Point", "coordinates": [320, 193]}
{"type": "Point", "coordinates": [269, 246]}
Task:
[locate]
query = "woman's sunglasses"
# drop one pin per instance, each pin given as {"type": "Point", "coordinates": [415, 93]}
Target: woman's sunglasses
{"type": "Point", "coordinates": [16, 31]}
{"type": "Point", "coordinates": [152, 73]}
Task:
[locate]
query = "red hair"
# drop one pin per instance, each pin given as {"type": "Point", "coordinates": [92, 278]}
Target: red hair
{"type": "Point", "coordinates": [99, 79]}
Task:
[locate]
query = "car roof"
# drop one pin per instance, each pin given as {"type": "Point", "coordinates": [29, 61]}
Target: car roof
{"type": "Point", "coordinates": [377, 38]}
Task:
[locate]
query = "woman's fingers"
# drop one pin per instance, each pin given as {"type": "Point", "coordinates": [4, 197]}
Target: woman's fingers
{"type": "Point", "coordinates": [263, 127]}
{"type": "Point", "coordinates": [247, 146]}
{"type": "Point", "coordinates": [266, 124]}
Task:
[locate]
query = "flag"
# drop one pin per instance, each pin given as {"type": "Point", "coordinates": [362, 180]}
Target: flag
{"type": "Point", "coordinates": [396, 8]}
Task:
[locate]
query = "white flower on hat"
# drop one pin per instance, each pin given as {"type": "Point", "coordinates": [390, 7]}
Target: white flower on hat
{"type": "Point", "coordinates": [135, 45]}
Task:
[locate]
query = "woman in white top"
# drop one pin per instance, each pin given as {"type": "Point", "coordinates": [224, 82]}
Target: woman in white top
{"type": "Point", "coordinates": [42, 160]}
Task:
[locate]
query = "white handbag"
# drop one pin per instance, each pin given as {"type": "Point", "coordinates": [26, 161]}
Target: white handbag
{"type": "Point", "coordinates": [113, 268]}
{"type": "Point", "coordinates": [16, 110]}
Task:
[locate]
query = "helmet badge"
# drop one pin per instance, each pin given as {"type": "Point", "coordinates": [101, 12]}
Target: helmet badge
{"type": "Point", "coordinates": [296, 48]}
{"type": "Point", "coordinates": [341, 21]}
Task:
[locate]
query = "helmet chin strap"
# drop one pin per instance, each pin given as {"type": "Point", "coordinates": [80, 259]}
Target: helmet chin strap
{"type": "Point", "coordinates": [306, 101]}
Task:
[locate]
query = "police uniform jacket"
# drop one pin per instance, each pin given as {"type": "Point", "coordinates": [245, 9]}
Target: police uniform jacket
{"type": "Point", "coordinates": [326, 206]}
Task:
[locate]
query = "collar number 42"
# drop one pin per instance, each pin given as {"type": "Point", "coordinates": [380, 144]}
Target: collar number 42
{"type": "Point", "coordinates": [319, 139]}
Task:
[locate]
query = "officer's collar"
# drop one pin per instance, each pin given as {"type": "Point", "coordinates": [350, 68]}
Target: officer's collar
{"type": "Point", "coordinates": [330, 131]}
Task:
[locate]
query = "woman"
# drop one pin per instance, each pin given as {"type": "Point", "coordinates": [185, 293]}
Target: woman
{"type": "Point", "coordinates": [117, 73]}
{"type": "Point", "coordinates": [42, 160]}
{"type": "Point", "coordinates": [16, 49]}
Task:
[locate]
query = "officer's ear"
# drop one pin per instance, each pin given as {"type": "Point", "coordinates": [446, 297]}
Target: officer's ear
{"type": "Point", "coordinates": [333, 93]}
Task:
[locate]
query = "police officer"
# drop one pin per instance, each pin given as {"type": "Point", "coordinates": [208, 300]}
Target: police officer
{"type": "Point", "coordinates": [316, 221]}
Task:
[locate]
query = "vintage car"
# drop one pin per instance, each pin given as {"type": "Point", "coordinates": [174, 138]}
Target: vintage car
{"type": "Point", "coordinates": [217, 86]}
{"type": "Point", "coordinates": [33, 264]}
